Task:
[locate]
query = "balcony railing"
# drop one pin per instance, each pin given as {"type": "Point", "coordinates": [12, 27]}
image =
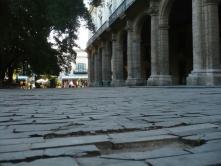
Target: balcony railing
{"type": "Point", "coordinates": [120, 10]}
{"type": "Point", "coordinates": [98, 33]}
{"type": "Point", "coordinates": [116, 14]}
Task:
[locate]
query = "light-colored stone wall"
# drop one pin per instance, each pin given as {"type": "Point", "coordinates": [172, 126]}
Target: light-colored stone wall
{"type": "Point", "coordinates": [206, 67]}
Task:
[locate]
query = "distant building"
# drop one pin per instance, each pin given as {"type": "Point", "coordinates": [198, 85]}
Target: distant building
{"type": "Point", "coordinates": [78, 76]}
{"type": "Point", "coordinates": [155, 42]}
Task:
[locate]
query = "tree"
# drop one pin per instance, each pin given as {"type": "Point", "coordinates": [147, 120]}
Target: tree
{"type": "Point", "coordinates": [25, 27]}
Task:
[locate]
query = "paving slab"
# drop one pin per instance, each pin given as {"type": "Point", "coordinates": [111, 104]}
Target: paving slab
{"type": "Point", "coordinates": [108, 162]}
{"type": "Point", "coordinates": [65, 161]}
{"type": "Point", "coordinates": [75, 151]}
{"type": "Point", "coordinates": [110, 126]}
{"type": "Point", "coordinates": [199, 159]}
{"type": "Point", "coordinates": [150, 154]}
{"type": "Point", "coordinates": [70, 141]}
{"type": "Point", "coordinates": [143, 139]}
{"type": "Point", "coordinates": [22, 155]}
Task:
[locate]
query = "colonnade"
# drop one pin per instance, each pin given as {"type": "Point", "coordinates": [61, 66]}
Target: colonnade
{"type": "Point", "coordinates": [106, 58]}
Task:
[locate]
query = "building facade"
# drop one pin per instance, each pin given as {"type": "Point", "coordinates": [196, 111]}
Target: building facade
{"type": "Point", "coordinates": [155, 42]}
{"type": "Point", "coordinates": [78, 75]}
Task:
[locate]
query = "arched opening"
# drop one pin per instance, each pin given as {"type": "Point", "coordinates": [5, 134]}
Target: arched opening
{"type": "Point", "coordinates": [124, 49]}
{"type": "Point", "coordinates": [180, 41]}
{"type": "Point", "coordinates": [145, 47]}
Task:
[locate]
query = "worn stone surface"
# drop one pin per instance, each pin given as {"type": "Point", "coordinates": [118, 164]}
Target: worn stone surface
{"type": "Point", "coordinates": [200, 159]}
{"type": "Point", "coordinates": [110, 126]}
{"type": "Point", "coordinates": [48, 162]}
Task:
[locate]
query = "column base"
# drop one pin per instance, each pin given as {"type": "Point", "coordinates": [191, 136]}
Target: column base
{"type": "Point", "coordinates": [117, 83]}
{"type": "Point", "coordinates": [205, 77]}
{"type": "Point", "coordinates": [159, 80]}
{"type": "Point", "coordinates": [135, 82]}
{"type": "Point", "coordinates": [91, 84]}
{"type": "Point", "coordinates": [98, 84]}
{"type": "Point", "coordinates": [106, 83]}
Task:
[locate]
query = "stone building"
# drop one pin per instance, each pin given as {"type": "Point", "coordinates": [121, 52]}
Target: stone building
{"type": "Point", "coordinates": [155, 42]}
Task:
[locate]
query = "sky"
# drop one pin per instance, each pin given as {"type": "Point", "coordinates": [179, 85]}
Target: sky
{"type": "Point", "coordinates": [82, 35]}
{"type": "Point", "coordinates": [83, 32]}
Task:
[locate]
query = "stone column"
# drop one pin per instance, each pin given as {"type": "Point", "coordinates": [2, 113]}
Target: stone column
{"type": "Point", "coordinates": [129, 50]}
{"type": "Point", "coordinates": [206, 51]}
{"type": "Point", "coordinates": [106, 64]}
{"type": "Point", "coordinates": [211, 12]}
{"type": "Point", "coordinates": [133, 57]}
{"type": "Point", "coordinates": [90, 68]}
{"type": "Point", "coordinates": [164, 75]}
{"type": "Point", "coordinates": [154, 12]}
{"type": "Point", "coordinates": [198, 74]}
{"type": "Point", "coordinates": [98, 68]}
{"type": "Point", "coordinates": [212, 34]}
{"type": "Point", "coordinates": [117, 60]}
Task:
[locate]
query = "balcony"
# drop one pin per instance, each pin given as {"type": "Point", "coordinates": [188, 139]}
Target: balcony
{"type": "Point", "coordinates": [98, 33]}
{"type": "Point", "coordinates": [120, 10]}
{"type": "Point", "coordinates": [116, 14]}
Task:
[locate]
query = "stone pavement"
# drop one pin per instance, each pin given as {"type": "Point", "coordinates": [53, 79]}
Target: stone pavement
{"type": "Point", "coordinates": [110, 127]}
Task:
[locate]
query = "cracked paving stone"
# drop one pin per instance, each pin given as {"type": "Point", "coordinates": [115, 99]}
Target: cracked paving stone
{"type": "Point", "coordinates": [150, 154]}
{"type": "Point", "coordinates": [70, 141]}
{"type": "Point", "coordinates": [205, 136]}
{"type": "Point", "coordinates": [20, 141]}
{"type": "Point", "coordinates": [190, 129]}
{"type": "Point", "coordinates": [62, 161]}
{"type": "Point", "coordinates": [207, 147]}
{"type": "Point", "coordinates": [20, 155]}
{"type": "Point", "coordinates": [143, 139]}
{"type": "Point", "coordinates": [199, 159]}
{"type": "Point", "coordinates": [96, 161]}
{"type": "Point", "coordinates": [73, 151]}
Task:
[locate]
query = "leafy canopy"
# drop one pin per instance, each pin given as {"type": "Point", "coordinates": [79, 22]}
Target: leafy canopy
{"type": "Point", "coordinates": [25, 26]}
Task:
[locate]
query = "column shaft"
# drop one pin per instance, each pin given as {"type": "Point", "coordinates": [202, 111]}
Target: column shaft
{"type": "Point", "coordinates": [98, 68]}
{"type": "Point", "coordinates": [117, 60]}
{"type": "Point", "coordinates": [164, 50]}
{"type": "Point", "coordinates": [90, 69]}
{"type": "Point", "coordinates": [154, 43]}
{"type": "Point", "coordinates": [106, 65]}
{"type": "Point", "coordinates": [198, 37]}
{"type": "Point", "coordinates": [133, 57]}
{"type": "Point", "coordinates": [212, 34]}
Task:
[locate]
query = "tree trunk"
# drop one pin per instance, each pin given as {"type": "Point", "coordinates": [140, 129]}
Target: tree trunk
{"type": "Point", "coordinates": [10, 75]}
{"type": "Point", "coordinates": [2, 77]}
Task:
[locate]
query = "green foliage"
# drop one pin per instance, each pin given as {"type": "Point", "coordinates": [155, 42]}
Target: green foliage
{"type": "Point", "coordinates": [25, 26]}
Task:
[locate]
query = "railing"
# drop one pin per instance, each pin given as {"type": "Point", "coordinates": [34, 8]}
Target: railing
{"type": "Point", "coordinates": [120, 10]}
{"type": "Point", "coordinates": [98, 33]}
{"type": "Point", "coordinates": [116, 14]}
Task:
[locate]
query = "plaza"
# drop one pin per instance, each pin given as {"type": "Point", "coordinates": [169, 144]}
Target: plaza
{"type": "Point", "coordinates": [128, 126]}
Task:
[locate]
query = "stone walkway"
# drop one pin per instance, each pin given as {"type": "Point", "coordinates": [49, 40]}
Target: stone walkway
{"type": "Point", "coordinates": [110, 127]}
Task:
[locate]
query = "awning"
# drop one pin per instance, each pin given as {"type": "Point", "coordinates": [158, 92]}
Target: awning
{"type": "Point", "coordinates": [22, 77]}
{"type": "Point", "coordinates": [75, 77]}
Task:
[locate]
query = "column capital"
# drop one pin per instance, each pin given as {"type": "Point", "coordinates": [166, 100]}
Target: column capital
{"type": "Point", "coordinates": [129, 26]}
{"type": "Point", "coordinates": [152, 11]}
{"type": "Point", "coordinates": [114, 37]}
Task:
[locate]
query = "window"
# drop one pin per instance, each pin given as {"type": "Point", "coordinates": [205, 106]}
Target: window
{"type": "Point", "coordinates": [80, 68]}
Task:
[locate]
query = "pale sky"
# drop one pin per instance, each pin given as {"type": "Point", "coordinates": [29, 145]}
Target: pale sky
{"type": "Point", "coordinates": [83, 32]}
{"type": "Point", "coordinates": [82, 36]}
